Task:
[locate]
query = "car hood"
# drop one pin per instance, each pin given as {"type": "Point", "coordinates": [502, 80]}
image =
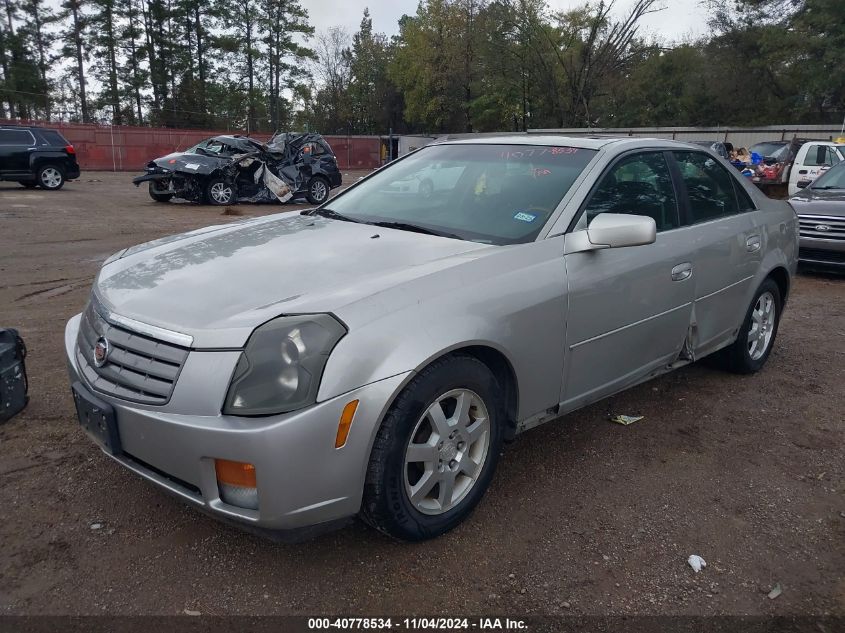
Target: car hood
{"type": "Point", "coordinates": [191, 163]}
{"type": "Point", "coordinates": [819, 202]}
{"type": "Point", "coordinates": [217, 284]}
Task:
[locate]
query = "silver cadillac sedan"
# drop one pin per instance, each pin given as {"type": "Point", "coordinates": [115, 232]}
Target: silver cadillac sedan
{"type": "Point", "coordinates": [371, 356]}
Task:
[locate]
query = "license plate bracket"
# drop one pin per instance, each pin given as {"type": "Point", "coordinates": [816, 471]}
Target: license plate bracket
{"type": "Point", "coordinates": [97, 418]}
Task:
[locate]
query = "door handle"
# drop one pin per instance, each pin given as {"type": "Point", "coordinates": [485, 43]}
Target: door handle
{"type": "Point", "coordinates": [752, 244]}
{"type": "Point", "coordinates": [682, 271]}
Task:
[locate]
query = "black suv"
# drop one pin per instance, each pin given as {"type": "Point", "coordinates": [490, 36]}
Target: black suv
{"type": "Point", "coordinates": [36, 156]}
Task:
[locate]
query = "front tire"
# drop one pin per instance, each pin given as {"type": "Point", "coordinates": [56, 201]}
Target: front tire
{"type": "Point", "coordinates": [219, 192]}
{"type": "Point", "coordinates": [436, 450]}
{"type": "Point", "coordinates": [159, 197]}
{"type": "Point", "coordinates": [51, 177]}
{"type": "Point", "coordinates": [757, 335]}
{"type": "Point", "coordinates": [318, 190]}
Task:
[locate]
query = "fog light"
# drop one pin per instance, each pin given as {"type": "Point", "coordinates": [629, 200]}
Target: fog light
{"type": "Point", "coordinates": [237, 483]}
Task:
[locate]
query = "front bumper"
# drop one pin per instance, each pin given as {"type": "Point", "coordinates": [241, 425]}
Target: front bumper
{"type": "Point", "coordinates": [150, 176]}
{"type": "Point", "coordinates": [821, 253]}
{"type": "Point", "coordinates": [302, 479]}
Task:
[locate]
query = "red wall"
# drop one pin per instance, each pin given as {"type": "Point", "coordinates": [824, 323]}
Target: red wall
{"type": "Point", "coordinates": [128, 148]}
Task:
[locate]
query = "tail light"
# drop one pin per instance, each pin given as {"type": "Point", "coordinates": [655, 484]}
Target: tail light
{"type": "Point", "coordinates": [70, 150]}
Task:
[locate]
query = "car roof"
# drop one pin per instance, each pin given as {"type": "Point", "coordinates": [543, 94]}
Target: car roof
{"type": "Point", "coordinates": [594, 142]}
{"type": "Point", "coordinates": [18, 126]}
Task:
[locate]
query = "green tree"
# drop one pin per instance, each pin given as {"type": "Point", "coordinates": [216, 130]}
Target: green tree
{"type": "Point", "coordinates": [73, 46]}
{"type": "Point", "coordinates": [373, 103]}
{"type": "Point", "coordinates": [283, 22]}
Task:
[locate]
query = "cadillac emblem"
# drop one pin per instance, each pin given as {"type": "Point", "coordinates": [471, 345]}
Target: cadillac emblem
{"type": "Point", "coordinates": [101, 351]}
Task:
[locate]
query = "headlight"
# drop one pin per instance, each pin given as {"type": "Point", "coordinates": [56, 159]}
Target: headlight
{"type": "Point", "coordinates": [280, 369]}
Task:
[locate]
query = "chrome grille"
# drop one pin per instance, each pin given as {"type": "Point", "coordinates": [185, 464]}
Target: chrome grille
{"type": "Point", "coordinates": [810, 226]}
{"type": "Point", "coordinates": [138, 368]}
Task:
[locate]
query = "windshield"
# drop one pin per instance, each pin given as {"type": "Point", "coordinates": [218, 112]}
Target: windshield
{"type": "Point", "coordinates": [495, 194]}
{"type": "Point", "coordinates": [778, 151]}
{"type": "Point", "coordinates": [833, 178]}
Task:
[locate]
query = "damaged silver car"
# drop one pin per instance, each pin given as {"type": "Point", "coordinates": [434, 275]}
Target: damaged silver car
{"type": "Point", "coordinates": [225, 170]}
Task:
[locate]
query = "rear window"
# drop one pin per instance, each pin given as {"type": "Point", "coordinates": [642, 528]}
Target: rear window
{"type": "Point", "coordinates": [51, 137]}
{"type": "Point", "coordinates": [777, 151]}
{"type": "Point", "coordinates": [16, 137]}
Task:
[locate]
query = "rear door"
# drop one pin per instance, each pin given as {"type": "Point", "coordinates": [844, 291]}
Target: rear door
{"type": "Point", "coordinates": [728, 233]}
{"type": "Point", "coordinates": [629, 308]}
{"type": "Point", "coordinates": [16, 146]}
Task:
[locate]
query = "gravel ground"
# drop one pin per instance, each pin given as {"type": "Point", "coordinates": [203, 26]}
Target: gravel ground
{"type": "Point", "coordinates": [583, 517]}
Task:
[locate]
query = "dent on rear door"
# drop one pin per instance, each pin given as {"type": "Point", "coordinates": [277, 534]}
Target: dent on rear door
{"type": "Point", "coordinates": [724, 268]}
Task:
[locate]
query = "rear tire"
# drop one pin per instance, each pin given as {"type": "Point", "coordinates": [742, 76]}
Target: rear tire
{"type": "Point", "coordinates": [51, 177]}
{"type": "Point", "coordinates": [436, 450]}
{"type": "Point", "coordinates": [159, 197]}
{"type": "Point", "coordinates": [219, 192]}
{"type": "Point", "coordinates": [318, 190]}
{"type": "Point", "coordinates": [757, 334]}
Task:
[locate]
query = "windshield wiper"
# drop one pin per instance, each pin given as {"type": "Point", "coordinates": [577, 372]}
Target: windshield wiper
{"type": "Point", "coordinates": [828, 187]}
{"type": "Point", "coordinates": [329, 213]}
{"type": "Point", "coordinates": [416, 228]}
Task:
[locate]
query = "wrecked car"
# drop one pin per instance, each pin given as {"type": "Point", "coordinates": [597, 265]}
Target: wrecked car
{"type": "Point", "coordinates": [225, 170]}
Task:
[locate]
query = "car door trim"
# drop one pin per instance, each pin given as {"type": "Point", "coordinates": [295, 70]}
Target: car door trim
{"type": "Point", "coordinates": [736, 283]}
{"type": "Point", "coordinates": [630, 325]}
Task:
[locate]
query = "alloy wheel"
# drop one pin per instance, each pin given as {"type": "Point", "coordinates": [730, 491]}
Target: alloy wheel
{"type": "Point", "coordinates": [446, 451]}
{"type": "Point", "coordinates": [318, 190]}
{"type": "Point", "coordinates": [51, 178]}
{"type": "Point", "coordinates": [221, 192]}
{"type": "Point", "coordinates": [762, 326]}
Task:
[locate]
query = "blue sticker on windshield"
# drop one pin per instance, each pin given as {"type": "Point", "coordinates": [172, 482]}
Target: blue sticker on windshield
{"type": "Point", "coordinates": [524, 216]}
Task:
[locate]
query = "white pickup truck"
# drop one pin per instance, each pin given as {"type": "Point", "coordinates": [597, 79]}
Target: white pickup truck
{"type": "Point", "coordinates": [794, 163]}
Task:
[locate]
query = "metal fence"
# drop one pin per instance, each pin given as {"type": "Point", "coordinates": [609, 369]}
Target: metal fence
{"type": "Point", "coordinates": [130, 148]}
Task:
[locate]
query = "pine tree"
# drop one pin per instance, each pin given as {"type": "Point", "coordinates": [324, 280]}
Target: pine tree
{"type": "Point", "coordinates": [74, 46]}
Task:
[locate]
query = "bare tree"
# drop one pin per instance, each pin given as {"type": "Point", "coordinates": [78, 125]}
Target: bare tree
{"type": "Point", "coordinates": [594, 47]}
{"type": "Point", "coordinates": [334, 71]}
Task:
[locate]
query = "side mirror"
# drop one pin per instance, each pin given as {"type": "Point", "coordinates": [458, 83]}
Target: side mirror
{"type": "Point", "coordinates": [613, 230]}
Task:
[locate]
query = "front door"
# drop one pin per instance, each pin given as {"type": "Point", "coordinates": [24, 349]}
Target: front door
{"type": "Point", "coordinates": [629, 308]}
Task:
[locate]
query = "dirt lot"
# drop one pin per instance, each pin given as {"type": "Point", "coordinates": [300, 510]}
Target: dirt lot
{"type": "Point", "coordinates": [583, 517]}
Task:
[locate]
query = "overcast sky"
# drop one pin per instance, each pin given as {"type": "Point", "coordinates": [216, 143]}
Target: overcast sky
{"type": "Point", "coordinates": [679, 19]}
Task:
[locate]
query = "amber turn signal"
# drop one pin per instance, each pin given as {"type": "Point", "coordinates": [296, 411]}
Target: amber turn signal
{"type": "Point", "coordinates": [345, 423]}
{"type": "Point", "coordinates": [235, 473]}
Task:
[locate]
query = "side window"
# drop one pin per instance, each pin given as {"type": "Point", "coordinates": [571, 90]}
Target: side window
{"type": "Point", "coordinates": [710, 187]}
{"type": "Point", "coordinates": [744, 199]}
{"type": "Point", "coordinates": [51, 137]}
{"type": "Point", "coordinates": [16, 137]}
{"type": "Point", "coordinates": [640, 184]}
{"type": "Point", "coordinates": [821, 156]}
